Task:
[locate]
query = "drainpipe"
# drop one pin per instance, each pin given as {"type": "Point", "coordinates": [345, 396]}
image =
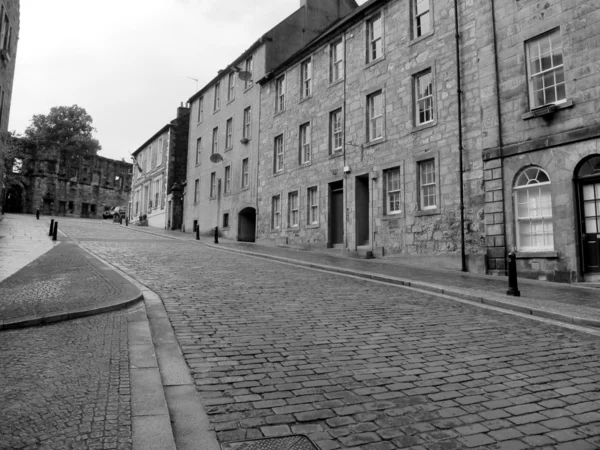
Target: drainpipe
{"type": "Point", "coordinates": [460, 140]}
{"type": "Point", "coordinates": [344, 152]}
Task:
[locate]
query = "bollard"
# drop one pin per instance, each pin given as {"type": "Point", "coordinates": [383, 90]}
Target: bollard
{"type": "Point", "coordinates": [51, 227]}
{"type": "Point", "coordinates": [513, 288]}
{"type": "Point", "coordinates": [55, 234]}
{"type": "Point", "coordinates": [126, 221]}
{"type": "Point", "coordinates": [216, 235]}
{"type": "Point", "coordinates": [37, 214]}
{"type": "Point", "coordinates": [198, 232]}
{"type": "Point", "coordinates": [120, 220]}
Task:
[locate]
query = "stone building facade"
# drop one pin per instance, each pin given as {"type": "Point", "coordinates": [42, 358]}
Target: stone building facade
{"type": "Point", "coordinates": [360, 146]}
{"type": "Point", "coordinates": [9, 38]}
{"type": "Point", "coordinates": [225, 122]}
{"type": "Point", "coordinates": [160, 164]}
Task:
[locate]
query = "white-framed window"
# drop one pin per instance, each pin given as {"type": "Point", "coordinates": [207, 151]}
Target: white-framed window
{"type": "Point", "coordinates": [213, 184]}
{"type": "Point", "coordinates": [198, 151]}
{"type": "Point", "coordinates": [247, 133]}
{"type": "Point", "coordinates": [157, 193]}
{"type": "Point", "coordinates": [336, 61]}
{"type": "Point", "coordinates": [427, 185]}
{"type": "Point", "coordinates": [229, 134]}
{"type": "Point", "coordinates": [533, 210]}
{"type": "Point", "coordinates": [159, 151]}
{"type": "Point", "coordinates": [249, 68]}
{"type": "Point", "coordinates": [374, 38]}
{"type": "Point", "coordinates": [276, 212]}
{"type": "Point", "coordinates": [421, 17]}
{"type": "Point", "coordinates": [393, 191]}
{"type": "Point", "coordinates": [545, 70]}
{"type": "Point", "coordinates": [230, 86]}
{"type": "Point", "coordinates": [305, 137]}
{"type": "Point", "coordinates": [423, 94]}
{"type": "Point", "coordinates": [306, 78]}
{"type": "Point", "coordinates": [227, 185]}
{"type": "Point", "coordinates": [217, 96]}
{"type": "Point", "coordinates": [153, 154]}
{"type": "Point", "coordinates": [148, 158]}
{"type": "Point", "coordinates": [278, 154]}
{"type": "Point", "coordinates": [201, 109]}
{"type": "Point", "coordinates": [336, 134]}
{"type": "Point", "coordinates": [215, 141]}
{"type": "Point", "coordinates": [245, 177]}
{"type": "Point", "coordinates": [196, 190]}
{"type": "Point", "coordinates": [375, 116]}
{"type": "Point", "coordinates": [280, 93]}
{"type": "Point", "coordinates": [4, 33]}
{"type": "Point", "coordinates": [293, 209]}
{"type": "Point", "coordinates": [312, 195]}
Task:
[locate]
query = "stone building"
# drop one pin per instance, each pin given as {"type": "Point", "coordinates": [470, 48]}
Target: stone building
{"type": "Point", "coordinates": [361, 138]}
{"type": "Point", "coordinates": [160, 169]}
{"type": "Point", "coordinates": [9, 37]}
{"type": "Point", "coordinates": [224, 122]}
{"type": "Point", "coordinates": [542, 159]}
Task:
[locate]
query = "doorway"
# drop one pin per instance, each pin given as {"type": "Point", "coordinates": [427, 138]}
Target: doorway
{"type": "Point", "coordinates": [247, 225]}
{"type": "Point", "coordinates": [362, 210]}
{"type": "Point", "coordinates": [336, 213]}
{"type": "Point", "coordinates": [13, 202]}
{"type": "Point", "coordinates": [588, 190]}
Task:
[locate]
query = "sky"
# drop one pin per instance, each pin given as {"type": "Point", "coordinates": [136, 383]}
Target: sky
{"type": "Point", "coordinates": [129, 63]}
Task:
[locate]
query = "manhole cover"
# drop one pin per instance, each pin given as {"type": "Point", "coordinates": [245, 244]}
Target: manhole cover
{"type": "Point", "coordinates": [282, 443]}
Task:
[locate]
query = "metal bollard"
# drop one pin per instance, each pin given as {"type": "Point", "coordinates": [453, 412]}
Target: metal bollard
{"type": "Point", "coordinates": [126, 221]}
{"type": "Point", "coordinates": [120, 220]}
{"type": "Point", "coordinates": [216, 235]}
{"type": "Point", "coordinates": [37, 214]}
{"type": "Point", "coordinates": [51, 227]}
{"type": "Point", "coordinates": [513, 288]}
{"type": "Point", "coordinates": [198, 232]}
{"type": "Point", "coordinates": [55, 233]}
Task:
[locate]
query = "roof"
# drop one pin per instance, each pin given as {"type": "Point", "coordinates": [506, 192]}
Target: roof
{"type": "Point", "coordinates": [158, 133]}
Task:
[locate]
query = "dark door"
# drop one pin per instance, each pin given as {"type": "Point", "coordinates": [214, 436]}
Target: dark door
{"type": "Point", "coordinates": [590, 207]}
{"type": "Point", "coordinates": [362, 210]}
{"type": "Point", "coordinates": [62, 208]}
{"type": "Point", "coordinates": [336, 210]}
{"type": "Point", "coordinates": [84, 210]}
{"type": "Point", "coordinates": [247, 225]}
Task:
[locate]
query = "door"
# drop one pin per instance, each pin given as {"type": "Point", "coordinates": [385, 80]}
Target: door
{"type": "Point", "coordinates": [84, 210]}
{"type": "Point", "coordinates": [336, 212]}
{"type": "Point", "coordinates": [590, 198]}
{"type": "Point", "coordinates": [62, 208]}
{"type": "Point", "coordinates": [362, 210]}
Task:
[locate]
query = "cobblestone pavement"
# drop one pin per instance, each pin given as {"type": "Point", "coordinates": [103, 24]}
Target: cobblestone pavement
{"type": "Point", "coordinates": [278, 350]}
{"type": "Point", "coordinates": [66, 386]}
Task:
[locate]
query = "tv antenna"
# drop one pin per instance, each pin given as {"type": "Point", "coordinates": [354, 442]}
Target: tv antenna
{"type": "Point", "coordinates": [196, 80]}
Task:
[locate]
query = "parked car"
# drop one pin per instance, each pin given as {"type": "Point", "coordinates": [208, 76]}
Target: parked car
{"type": "Point", "coordinates": [118, 211]}
{"type": "Point", "coordinates": [107, 214]}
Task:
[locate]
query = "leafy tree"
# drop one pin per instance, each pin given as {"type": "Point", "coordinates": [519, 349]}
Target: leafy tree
{"type": "Point", "coordinates": [65, 128]}
{"type": "Point", "coordinates": [17, 151]}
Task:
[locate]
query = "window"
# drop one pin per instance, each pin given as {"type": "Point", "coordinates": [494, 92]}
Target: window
{"type": "Point", "coordinates": [293, 211]}
{"type": "Point", "coordinates": [427, 186]}
{"type": "Point", "coordinates": [312, 195]}
{"type": "Point", "coordinates": [249, 68]}
{"type": "Point", "coordinates": [157, 196]}
{"type": "Point", "coordinates": [217, 99]}
{"type": "Point", "coordinates": [423, 88]}
{"type": "Point", "coordinates": [336, 61]}
{"type": "Point", "coordinates": [305, 143]}
{"type": "Point", "coordinates": [215, 141]}
{"type": "Point", "coordinates": [229, 134]}
{"type": "Point", "coordinates": [226, 220]}
{"type": "Point", "coordinates": [335, 131]}
{"type": "Point", "coordinates": [227, 187]}
{"type": "Point", "coordinates": [153, 153]}
{"type": "Point", "coordinates": [198, 151]}
{"type": "Point", "coordinates": [276, 212]}
{"type": "Point", "coordinates": [421, 18]}
{"type": "Point", "coordinates": [4, 34]}
{"type": "Point", "coordinates": [213, 184]}
{"type": "Point", "coordinates": [545, 70]}
{"type": "Point", "coordinates": [159, 151]}
{"type": "Point", "coordinates": [393, 192]}
{"type": "Point", "coordinates": [278, 154]}
{"type": "Point", "coordinates": [247, 123]}
{"type": "Point", "coordinates": [375, 116]}
{"type": "Point", "coordinates": [201, 109]}
{"type": "Point", "coordinates": [17, 165]}
{"type": "Point", "coordinates": [245, 179]}
{"type": "Point", "coordinates": [533, 211]}
{"type": "Point", "coordinates": [280, 93]}
{"type": "Point", "coordinates": [231, 86]}
{"type": "Point", "coordinates": [148, 158]}
{"type": "Point", "coordinates": [306, 78]}
{"type": "Point", "coordinates": [374, 38]}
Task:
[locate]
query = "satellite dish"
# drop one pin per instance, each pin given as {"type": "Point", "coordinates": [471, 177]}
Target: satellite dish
{"type": "Point", "coordinates": [216, 158]}
{"type": "Point", "coordinates": [245, 75]}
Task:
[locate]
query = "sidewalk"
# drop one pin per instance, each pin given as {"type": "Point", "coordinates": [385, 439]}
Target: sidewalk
{"type": "Point", "coordinates": [573, 304]}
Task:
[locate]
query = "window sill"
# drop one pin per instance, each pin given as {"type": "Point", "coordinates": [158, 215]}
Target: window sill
{"type": "Point", "coordinates": [305, 164]}
{"type": "Point", "coordinates": [417, 128]}
{"type": "Point", "coordinates": [275, 230]}
{"type": "Point", "coordinates": [557, 106]}
{"type": "Point", "coordinates": [392, 216]}
{"type": "Point", "coordinates": [230, 101]}
{"type": "Point", "coordinates": [336, 154]}
{"type": "Point", "coordinates": [228, 149]}
{"type": "Point", "coordinates": [245, 188]}
{"type": "Point", "coordinates": [375, 61]}
{"type": "Point", "coordinates": [225, 228]}
{"type": "Point", "coordinates": [246, 89]}
{"type": "Point", "coordinates": [312, 226]}
{"type": "Point", "coordinates": [427, 212]}
{"type": "Point", "coordinates": [420, 38]}
{"type": "Point", "coordinates": [276, 174]}
{"type": "Point", "coordinates": [279, 112]}
{"type": "Point", "coordinates": [378, 141]}
{"type": "Point", "coordinates": [199, 123]}
{"type": "Point", "coordinates": [304, 99]}
{"type": "Point", "coordinates": [291, 229]}
{"type": "Point", "coordinates": [336, 82]}
{"type": "Point", "coordinates": [537, 254]}
{"type": "Point", "coordinates": [216, 110]}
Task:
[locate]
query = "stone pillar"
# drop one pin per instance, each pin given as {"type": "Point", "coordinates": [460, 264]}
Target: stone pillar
{"type": "Point", "coordinates": [494, 217]}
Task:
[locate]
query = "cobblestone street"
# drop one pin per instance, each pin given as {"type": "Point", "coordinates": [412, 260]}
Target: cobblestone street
{"type": "Point", "coordinates": [277, 350]}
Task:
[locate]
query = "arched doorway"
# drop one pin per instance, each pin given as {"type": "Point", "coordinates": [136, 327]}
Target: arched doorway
{"type": "Point", "coordinates": [587, 179]}
{"type": "Point", "coordinates": [247, 225]}
{"type": "Point", "coordinates": [13, 201]}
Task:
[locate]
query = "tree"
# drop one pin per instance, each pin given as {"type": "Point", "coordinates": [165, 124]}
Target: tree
{"type": "Point", "coordinates": [65, 128]}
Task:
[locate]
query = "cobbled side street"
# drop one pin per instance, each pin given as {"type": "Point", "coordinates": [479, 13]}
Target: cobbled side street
{"type": "Point", "coordinates": [278, 350]}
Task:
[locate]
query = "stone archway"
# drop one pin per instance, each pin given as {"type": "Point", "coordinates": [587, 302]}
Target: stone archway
{"type": "Point", "coordinates": [587, 178]}
{"type": "Point", "coordinates": [13, 200]}
{"type": "Point", "coordinates": [247, 225]}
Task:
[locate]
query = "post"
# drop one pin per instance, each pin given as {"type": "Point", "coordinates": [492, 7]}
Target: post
{"type": "Point", "coordinates": [37, 214]}
{"type": "Point", "coordinates": [198, 232]}
{"type": "Point", "coordinates": [216, 235]}
{"type": "Point", "coordinates": [51, 227]}
{"type": "Point", "coordinates": [126, 221]}
{"type": "Point", "coordinates": [120, 219]}
{"type": "Point", "coordinates": [55, 233]}
{"type": "Point", "coordinates": [513, 289]}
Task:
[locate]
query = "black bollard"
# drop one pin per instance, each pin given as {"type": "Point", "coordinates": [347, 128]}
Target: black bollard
{"type": "Point", "coordinates": [51, 227]}
{"type": "Point", "coordinates": [55, 233]}
{"type": "Point", "coordinates": [126, 221]}
{"type": "Point", "coordinates": [37, 214]}
{"type": "Point", "coordinates": [120, 220]}
{"type": "Point", "coordinates": [197, 232]}
{"type": "Point", "coordinates": [216, 235]}
{"type": "Point", "coordinates": [513, 288]}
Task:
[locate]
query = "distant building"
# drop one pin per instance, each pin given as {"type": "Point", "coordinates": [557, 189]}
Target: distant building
{"type": "Point", "coordinates": [9, 37]}
{"type": "Point", "coordinates": [158, 175]}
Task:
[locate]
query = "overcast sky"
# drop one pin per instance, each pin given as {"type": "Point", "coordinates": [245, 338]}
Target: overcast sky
{"type": "Point", "coordinates": [127, 62]}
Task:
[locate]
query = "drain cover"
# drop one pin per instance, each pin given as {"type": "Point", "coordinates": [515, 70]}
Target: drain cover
{"type": "Point", "coordinates": [282, 443]}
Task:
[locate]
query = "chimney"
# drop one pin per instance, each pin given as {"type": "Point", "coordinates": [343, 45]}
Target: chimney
{"type": "Point", "coordinates": [182, 110]}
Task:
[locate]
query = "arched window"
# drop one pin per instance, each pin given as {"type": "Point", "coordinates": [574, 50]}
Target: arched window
{"type": "Point", "coordinates": [533, 211]}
